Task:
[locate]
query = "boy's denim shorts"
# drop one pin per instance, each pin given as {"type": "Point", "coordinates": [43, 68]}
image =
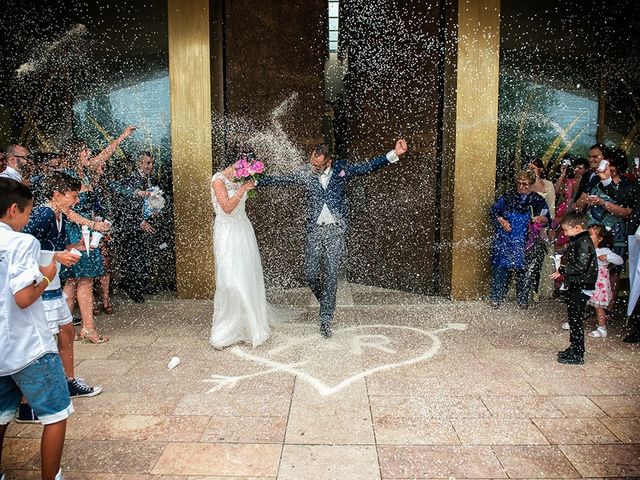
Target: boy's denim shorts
{"type": "Point", "coordinates": [44, 385]}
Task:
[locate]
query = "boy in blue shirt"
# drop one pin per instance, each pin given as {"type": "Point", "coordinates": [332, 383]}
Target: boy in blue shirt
{"type": "Point", "coordinates": [47, 224]}
{"type": "Point", "coordinates": [29, 360]}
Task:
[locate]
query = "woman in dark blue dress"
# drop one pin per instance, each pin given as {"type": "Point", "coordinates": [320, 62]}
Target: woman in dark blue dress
{"type": "Point", "coordinates": [79, 278]}
{"type": "Point", "coordinates": [515, 215]}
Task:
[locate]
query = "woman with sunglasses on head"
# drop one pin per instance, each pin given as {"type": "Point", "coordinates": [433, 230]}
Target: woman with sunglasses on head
{"type": "Point", "coordinates": [566, 187]}
{"type": "Point", "coordinates": [79, 278]}
{"type": "Point", "coordinates": [536, 249]}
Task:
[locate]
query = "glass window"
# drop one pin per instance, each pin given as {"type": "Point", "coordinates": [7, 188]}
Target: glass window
{"type": "Point", "coordinates": [334, 10]}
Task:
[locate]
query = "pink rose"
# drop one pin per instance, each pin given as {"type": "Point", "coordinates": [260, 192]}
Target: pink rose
{"type": "Point", "coordinates": [258, 167]}
{"type": "Point", "coordinates": [342, 173]}
{"type": "Point", "coordinates": [243, 173]}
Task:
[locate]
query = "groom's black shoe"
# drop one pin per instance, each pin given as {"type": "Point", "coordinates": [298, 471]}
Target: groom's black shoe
{"type": "Point", "coordinates": [632, 338]}
{"type": "Point", "coordinates": [571, 360]}
{"type": "Point", "coordinates": [325, 330]}
{"type": "Point", "coordinates": [566, 353]}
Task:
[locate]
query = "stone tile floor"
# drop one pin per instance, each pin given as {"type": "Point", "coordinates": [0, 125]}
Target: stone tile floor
{"type": "Point", "coordinates": [409, 387]}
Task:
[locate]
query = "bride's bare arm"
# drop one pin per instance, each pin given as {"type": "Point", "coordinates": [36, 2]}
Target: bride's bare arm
{"type": "Point", "coordinates": [227, 203]}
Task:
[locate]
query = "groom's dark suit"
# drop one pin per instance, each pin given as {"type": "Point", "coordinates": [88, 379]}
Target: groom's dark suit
{"type": "Point", "coordinates": [325, 233]}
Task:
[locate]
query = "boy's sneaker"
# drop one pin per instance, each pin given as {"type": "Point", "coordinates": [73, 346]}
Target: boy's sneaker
{"type": "Point", "coordinates": [600, 332]}
{"type": "Point", "coordinates": [78, 388]}
{"type": "Point", "coordinates": [565, 326]}
{"type": "Point", "coordinates": [58, 475]}
{"type": "Point", "coordinates": [26, 415]}
{"type": "Point", "coordinates": [2, 477]}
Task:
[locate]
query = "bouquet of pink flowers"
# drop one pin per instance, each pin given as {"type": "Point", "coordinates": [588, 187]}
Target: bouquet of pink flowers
{"type": "Point", "coordinates": [249, 168]}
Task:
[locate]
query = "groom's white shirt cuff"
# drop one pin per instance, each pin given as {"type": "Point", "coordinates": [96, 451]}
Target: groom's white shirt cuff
{"type": "Point", "coordinates": [392, 156]}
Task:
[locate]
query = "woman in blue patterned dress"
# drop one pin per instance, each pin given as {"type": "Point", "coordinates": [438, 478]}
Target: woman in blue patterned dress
{"type": "Point", "coordinates": [79, 278]}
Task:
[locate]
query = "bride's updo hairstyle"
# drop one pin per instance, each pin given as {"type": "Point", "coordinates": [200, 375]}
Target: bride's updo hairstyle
{"type": "Point", "coordinates": [235, 153]}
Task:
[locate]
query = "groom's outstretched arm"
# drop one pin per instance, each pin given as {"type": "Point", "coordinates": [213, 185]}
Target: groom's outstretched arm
{"type": "Point", "coordinates": [292, 180]}
{"type": "Point", "coordinates": [378, 162]}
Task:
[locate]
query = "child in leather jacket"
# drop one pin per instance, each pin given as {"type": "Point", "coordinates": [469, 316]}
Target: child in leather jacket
{"type": "Point", "coordinates": [580, 271]}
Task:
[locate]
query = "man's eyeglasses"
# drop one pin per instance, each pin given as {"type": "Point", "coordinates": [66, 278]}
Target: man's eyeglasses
{"type": "Point", "coordinates": [26, 157]}
{"type": "Point", "coordinates": [523, 184]}
{"type": "Point", "coordinates": [325, 162]}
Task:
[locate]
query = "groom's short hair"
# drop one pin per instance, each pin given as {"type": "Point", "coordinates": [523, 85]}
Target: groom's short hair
{"type": "Point", "coordinates": [323, 149]}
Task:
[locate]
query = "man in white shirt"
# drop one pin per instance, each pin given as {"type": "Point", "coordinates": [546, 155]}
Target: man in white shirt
{"type": "Point", "coordinates": [17, 159]}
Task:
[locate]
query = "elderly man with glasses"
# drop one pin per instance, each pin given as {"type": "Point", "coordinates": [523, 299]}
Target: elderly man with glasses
{"type": "Point", "coordinates": [17, 159]}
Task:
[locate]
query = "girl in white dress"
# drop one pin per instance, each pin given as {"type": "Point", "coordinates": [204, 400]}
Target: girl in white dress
{"type": "Point", "coordinates": [239, 305]}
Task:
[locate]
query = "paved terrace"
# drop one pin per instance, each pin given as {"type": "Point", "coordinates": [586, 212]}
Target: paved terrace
{"type": "Point", "coordinates": [409, 387]}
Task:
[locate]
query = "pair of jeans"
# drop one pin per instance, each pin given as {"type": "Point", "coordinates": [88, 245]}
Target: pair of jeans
{"type": "Point", "coordinates": [576, 303]}
{"type": "Point", "coordinates": [500, 278]}
{"type": "Point", "coordinates": [324, 251]}
{"type": "Point", "coordinates": [44, 385]}
{"type": "Point", "coordinates": [534, 259]}
{"type": "Point", "coordinates": [135, 250]}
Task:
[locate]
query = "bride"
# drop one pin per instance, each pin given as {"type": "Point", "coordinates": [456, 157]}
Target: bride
{"type": "Point", "coordinates": [239, 304]}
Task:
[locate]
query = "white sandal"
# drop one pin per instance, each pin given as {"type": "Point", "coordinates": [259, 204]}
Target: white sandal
{"type": "Point", "coordinates": [599, 333]}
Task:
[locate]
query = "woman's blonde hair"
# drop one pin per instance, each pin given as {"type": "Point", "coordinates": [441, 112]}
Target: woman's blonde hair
{"type": "Point", "coordinates": [528, 175]}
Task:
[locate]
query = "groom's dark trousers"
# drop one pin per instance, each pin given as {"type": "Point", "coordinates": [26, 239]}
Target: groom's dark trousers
{"type": "Point", "coordinates": [324, 251]}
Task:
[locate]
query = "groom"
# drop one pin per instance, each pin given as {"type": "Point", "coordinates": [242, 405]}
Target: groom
{"type": "Point", "coordinates": [325, 183]}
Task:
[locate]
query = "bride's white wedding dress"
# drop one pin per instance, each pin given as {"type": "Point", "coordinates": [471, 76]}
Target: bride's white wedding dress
{"type": "Point", "coordinates": [239, 304]}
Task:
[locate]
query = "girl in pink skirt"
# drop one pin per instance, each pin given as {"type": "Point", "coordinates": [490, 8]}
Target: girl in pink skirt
{"type": "Point", "coordinates": [603, 241]}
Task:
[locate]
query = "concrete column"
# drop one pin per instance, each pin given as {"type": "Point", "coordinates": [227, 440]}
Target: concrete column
{"type": "Point", "coordinates": [190, 87]}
